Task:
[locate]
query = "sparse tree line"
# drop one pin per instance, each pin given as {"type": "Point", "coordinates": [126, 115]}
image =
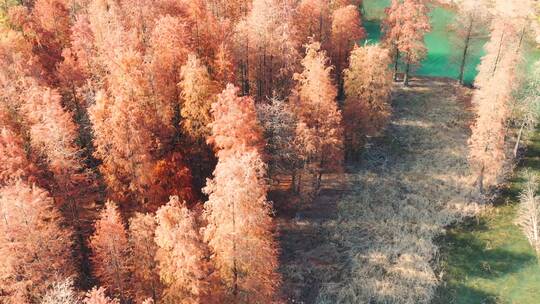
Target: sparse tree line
{"type": "Point", "coordinates": [504, 100]}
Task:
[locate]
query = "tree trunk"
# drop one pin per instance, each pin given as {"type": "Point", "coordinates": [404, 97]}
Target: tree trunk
{"type": "Point", "coordinates": [396, 65]}
{"type": "Point", "coordinates": [235, 269]}
{"type": "Point", "coordinates": [516, 147]}
{"type": "Point", "coordinates": [465, 51]}
{"type": "Point", "coordinates": [406, 78]}
{"type": "Point", "coordinates": [498, 55]}
{"type": "Point", "coordinates": [480, 181]}
{"type": "Point", "coordinates": [293, 180]}
{"type": "Point", "coordinates": [521, 39]}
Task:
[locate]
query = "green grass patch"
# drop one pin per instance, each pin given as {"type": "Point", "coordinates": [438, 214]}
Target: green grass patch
{"type": "Point", "coordinates": [488, 260]}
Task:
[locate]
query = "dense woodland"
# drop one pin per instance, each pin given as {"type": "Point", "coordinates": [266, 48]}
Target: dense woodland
{"type": "Point", "coordinates": [140, 139]}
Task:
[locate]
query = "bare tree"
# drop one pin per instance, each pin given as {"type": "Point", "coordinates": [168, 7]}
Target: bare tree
{"type": "Point", "coordinates": [528, 217]}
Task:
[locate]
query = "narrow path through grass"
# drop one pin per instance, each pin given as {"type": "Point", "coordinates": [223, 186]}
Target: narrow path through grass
{"type": "Point", "coordinates": [488, 260]}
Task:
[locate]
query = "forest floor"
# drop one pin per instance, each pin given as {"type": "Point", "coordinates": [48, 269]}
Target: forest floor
{"type": "Point", "coordinates": [370, 234]}
{"type": "Point", "coordinates": [487, 259]}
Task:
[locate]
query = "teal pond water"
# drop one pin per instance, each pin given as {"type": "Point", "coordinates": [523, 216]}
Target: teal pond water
{"type": "Point", "coordinates": [443, 54]}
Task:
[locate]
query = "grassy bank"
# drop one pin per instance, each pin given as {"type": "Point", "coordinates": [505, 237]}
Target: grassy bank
{"type": "Point", "coordinates": [488, 260]}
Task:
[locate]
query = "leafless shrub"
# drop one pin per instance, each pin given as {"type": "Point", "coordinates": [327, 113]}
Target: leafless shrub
{"type": "Point", "coordinates": [62, 293]}
{"type": "Point", "coordinates": [528, 216]}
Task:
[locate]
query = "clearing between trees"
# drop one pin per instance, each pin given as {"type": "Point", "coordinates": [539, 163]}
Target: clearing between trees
{"type": "Point", "coordinates": [369, 235]}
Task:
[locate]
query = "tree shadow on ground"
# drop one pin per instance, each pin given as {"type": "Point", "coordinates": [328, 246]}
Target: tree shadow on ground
{"type": "Point", "coordinates": [461, 294]}
{"type": "Point", "coordinates": [473, 257]}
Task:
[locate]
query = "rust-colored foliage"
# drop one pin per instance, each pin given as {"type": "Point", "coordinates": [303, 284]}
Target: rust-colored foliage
{"type": "Point", "coordinates": [198, 94]}
{"type": "Point", "coordinates": [319, 128]}
{"type": "Point", "coordinates": [266, 49]}
{"type": "Point", "coordinates": [235, 126]}
{"type": "Point", "coordinates": [171, 175]}
{"type": "Point", "coordinates": [14, 162]}
{"type": "Point", "coordinates": [181, 256]}
{"type": "Point", "coordinates": [368, 84]}
{"type": "Point", "coordinates": [496, 82]}
{"type": "Point", "coordinates": [405, 26]}
{"type": "Point", "coordinates": [145, 278]}
{"type": "Point", "coordinates": [239, 230]}
{"type": "Point", "coordinates": [110, 251]}
{"type": "Point", "coordinates": [34, 245]}
{"type": "Point", "coordinates": [347, 30]}
{"type": "Point", "coordinates": [314, 20]}
{"type": "Point", "coordinates": [97, 296]}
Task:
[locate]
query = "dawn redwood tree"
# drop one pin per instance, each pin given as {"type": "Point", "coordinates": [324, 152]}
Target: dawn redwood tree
{"type": "Point", "coordinates": [528, 215]}
{"type": "Point", "coordinates": [470, 26]}
{"type": "Point", "coordinates": [239, 229]}
{"type": "Point", "coordinates": [34, 244]}
{"type": "Point", "coordinates": [496, 82]}
{"type": "Point", "coordinates": [62, 292]}
{"type": "Point", "coordinates": [347, 30]}
{"type": "Point", "coordinates": [279, 124]}
{"type": "Point", "coordinates": [110, 252]}
{"type": "Point", "coordinates": [266, 49]}
{"type": "Point", "coordinates": [319, 130]}
{"type": "Point", "coordinates": [391, 28]}
{"type": "Point", "coordinates": [368, 85]}
{"type": "Point", "coordinates": [14, 161]}
{"type": "Point", "coordinates": [53, 136]}
{"type": "Point", "coordinates": [198, 92]}
{"type": "Point", "coordinates": [404, 27]}
{"type": "Point", "coordinates": [97, 296]}
{"type": "Point", "coordinates": [314, 19]}
{"type": "Point", "coordinates": [168, 52]}
{"type": "Point", "coordinates": [207, 31]}
{"type": "Point", "coordinates": [145, 277]}
{"type": "Point", "coordinates": [223, 65]}
{"type": "Point", "coordinates": [47, 27]}
{"type": "Point", "coordinates": [235, 126]}
{"type": "Point", "coordinates": [181, 256]}
{"type": "Point", "coordinates": [136, 110]}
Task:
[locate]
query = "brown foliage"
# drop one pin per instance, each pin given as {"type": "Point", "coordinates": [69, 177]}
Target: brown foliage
{"type": "Point", "coordinates": [181, 256]}
{"type": "Point", "coordinates": [239, 230]}
{"type": "Point", "coordinates": [319, 128]}
{"type": "Point", "coordinates": [145, 278]}
{"type": "Point", "coordinates": [110, 251]}
{"type": "Point", "coordinates": [235, 126]}
{"type": "Point", "coordinates": [35, 247]}
{"type": "Point", "coordinates": [368, 84]}
{"type": "Point", "coordinates": [347, 30]}
{"type": "Point", "coordinates": [97, 296]}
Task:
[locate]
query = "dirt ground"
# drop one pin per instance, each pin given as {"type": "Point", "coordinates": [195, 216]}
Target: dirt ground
{"type": "Point", "coordinates": [368, 236]}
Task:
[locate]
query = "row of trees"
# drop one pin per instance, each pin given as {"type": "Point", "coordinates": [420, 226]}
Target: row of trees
{"type": "Point", "coordinates": [497, 103]}
{"type": "Point", "coordinates": [137, 138]}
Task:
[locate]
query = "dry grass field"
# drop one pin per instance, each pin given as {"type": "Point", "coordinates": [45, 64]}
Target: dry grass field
{"type": "Point", "coordinates": [369, 236]}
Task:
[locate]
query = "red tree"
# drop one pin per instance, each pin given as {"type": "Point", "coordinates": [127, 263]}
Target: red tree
{"type": "Point", "coordinates": [110, 252]}
{"type": "Point", "coordinates": [14, 162]}
{"type": "Point", "coordinates": [405, 26]}
{"type": "Point", "coordinates": [181, 256]}
{"type": "Point", "coordinates": [368, 84]}
{"type": "Point", "coordinates": [145, 278]}
{"type": "Point", "coordinates": [319, 128]}
{"type": "Point", "coordinates": [97, 296]}
{"type": "Point", "coordinates": [35, 247]}
{"type": "Point", "coordinates": [235, 126]}
{"type": "Point", "coordinates": [239, 230]}
{"type": "Point", "coordinates": [267, 49]}
{"type": "Point", "coordinates": [347, 30]}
